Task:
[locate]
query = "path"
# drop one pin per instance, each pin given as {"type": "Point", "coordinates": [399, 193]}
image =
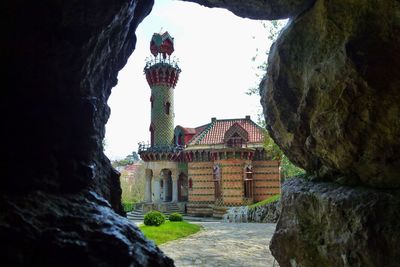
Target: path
{"type": "Point", "coordinates": [224, 244]}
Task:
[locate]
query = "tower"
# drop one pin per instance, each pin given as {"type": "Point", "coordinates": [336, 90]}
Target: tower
{"type": "Point", "coordinates": [162, 74]}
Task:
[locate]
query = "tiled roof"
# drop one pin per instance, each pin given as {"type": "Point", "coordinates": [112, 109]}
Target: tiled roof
{"type": "Point", "coordinates": [214, 132]}
{"type": "Point", "coordinates": [132, 168]}
{"type": "Point", "coordinates": [187, 130]}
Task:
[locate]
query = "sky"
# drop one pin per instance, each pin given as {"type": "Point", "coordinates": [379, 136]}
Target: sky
{"type": "Point", "coordinates": [215, 50]}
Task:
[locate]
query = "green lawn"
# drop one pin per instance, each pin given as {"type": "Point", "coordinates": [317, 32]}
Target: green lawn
{"type": "Point", "coordinates": [169, 231]}
{"type": "Point", "coordinates": [265, 201]}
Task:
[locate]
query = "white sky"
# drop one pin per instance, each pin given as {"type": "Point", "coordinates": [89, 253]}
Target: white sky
{"type": "Point", "coordinates": [214, 48]}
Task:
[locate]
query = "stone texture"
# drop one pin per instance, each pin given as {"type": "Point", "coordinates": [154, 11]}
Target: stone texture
{"type": "Point", "coordinates": [62, 60]}
{"type": "Point", "coordinates": [331, 98]}
{"type": "Point", "coordinates": [325, 224]}
{"type": "Point", "coordinates": [42, 229]}
{"type": "Point", "coordinates": [268, 213]}
{"type": "Point", "coordinates": [257, 9]}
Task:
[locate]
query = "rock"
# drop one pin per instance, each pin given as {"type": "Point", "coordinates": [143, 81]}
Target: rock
{"type": "Point", "coordinates": [272, 9]}
{"type": "Point", "coordinates": [331, 99]}
{"type": "Point", "coordinates": [42, 229]}
{"type": "Point", "coordinates": [59, 194]}
{"type": "Point", "coordinates": [325, 224]}
{"type": "Point", "coordinates": [268, 213]}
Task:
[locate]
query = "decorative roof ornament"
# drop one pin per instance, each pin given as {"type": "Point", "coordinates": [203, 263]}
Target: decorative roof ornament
{"type": "Point", "coordinates": [162, 44]}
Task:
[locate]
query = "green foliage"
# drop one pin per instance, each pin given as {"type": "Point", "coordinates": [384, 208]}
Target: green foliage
{"type": "Point", "coordinates": [271, 147]}
{"type": "Point", "coordinates": [128, 206]}
{"type": "Point", "coordinates": [273, 27]}
{"type": "Point", "coordinates": [128, 160]}
{"type": "Point", "coordinates": [169, 231]}
{"type": "Point", "coordinates": [265, 201]}
{"type": "Point", "coordinates": [289, 169]}
{"type": "Point", "coordinates": [175, 217]}
{"type": "Point", "coordinates": [133, 185]}
{"type": "Point", "coordinates": [154, 218]}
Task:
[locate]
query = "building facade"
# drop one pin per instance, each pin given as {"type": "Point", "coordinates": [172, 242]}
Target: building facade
{"type": "Point", "coordinates": [204, 169]}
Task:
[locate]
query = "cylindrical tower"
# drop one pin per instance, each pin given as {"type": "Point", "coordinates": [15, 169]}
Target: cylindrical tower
{"type": "Point", "coordinates": [162, 75]}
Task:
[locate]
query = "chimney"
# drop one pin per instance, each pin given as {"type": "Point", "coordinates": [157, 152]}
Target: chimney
{"type": "Point", "coordinates": [247, 117]}
{"type": "Point", "coordinates": [213, 119]}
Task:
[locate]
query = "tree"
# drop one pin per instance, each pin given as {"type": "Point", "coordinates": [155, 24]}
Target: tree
{"type": "Point", "coordinates": [128, 160]}
{"type": "Point", "coordinates": [133, 184]}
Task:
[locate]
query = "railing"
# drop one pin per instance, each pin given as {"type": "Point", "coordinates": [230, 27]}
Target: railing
{"type": "Point", "coordinates": [159, 148]}
{"type": "Point", "coordinates": [159, 60]}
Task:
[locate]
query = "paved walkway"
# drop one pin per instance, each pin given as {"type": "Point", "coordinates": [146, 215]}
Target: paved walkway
{"type": "Point", "coordinates": [224, 244]}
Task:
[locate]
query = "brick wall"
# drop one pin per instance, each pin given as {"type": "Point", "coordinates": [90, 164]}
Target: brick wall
{"type": "Point", "coordinates": [202, 182]}
{"type": "Point", "coordinates": [266, 179]}
{"type": "Point", "coordinates": [266, 183]}
{"type": "Point", "coordinates": [232, 181]}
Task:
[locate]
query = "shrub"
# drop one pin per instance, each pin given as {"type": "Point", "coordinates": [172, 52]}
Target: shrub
{"type": "Point", "coordinates": [175, 217]}
{"type": "Point", "coordinates": [154, 218]}
{"type": "Point", "coordinates": [128, 206]}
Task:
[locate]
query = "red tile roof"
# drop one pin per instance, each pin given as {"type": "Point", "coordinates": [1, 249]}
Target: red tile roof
{"type": "Point", "coordinates": [132, 168]}
{"type": "Point", "coordinates": [214, 132]}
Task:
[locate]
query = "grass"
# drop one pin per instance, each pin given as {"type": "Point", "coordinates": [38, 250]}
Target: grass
{"type": "Point", "coordinates": [265, 201]}
{"type": "Point", "coordinates": [169, 231]}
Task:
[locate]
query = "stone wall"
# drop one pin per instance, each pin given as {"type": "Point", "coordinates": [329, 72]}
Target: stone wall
{"type": "Point", "coordinates": [325, 224]}
{"type": "Point", "coordinates": [268, 213]}
{"type": "Point", "coordinates": [61, 207]}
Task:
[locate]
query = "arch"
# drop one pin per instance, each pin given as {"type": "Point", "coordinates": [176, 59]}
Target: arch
{"type": "Point", "coordinates": [182, 187]}
{"type": "Point", "coordinates": [166, 185]}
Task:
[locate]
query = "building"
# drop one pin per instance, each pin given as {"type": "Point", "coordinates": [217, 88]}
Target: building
{"type": "Point", "coordinates": [205, 169]}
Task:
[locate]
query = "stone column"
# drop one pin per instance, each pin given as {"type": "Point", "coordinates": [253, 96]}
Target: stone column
{"type": "Point", "coordinates": [147, 193]}
{"type": "Point", "coordinates": [157, 187]}
{"type": "Point", "coordinates": [165, 189]}
{"type": "Point", "coordinates": [174, 188]}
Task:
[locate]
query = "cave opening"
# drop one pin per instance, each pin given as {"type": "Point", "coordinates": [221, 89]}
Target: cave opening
{"type": "Point", "coordinates": [61, 197]}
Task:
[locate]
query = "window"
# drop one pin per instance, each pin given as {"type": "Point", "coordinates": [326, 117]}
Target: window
{"type": "Point", "coordinates": [248, 181]}
{"type": "Point", "coordinates": [167, 107]}
{"type": "Point", "coordinates": [217, 182]}
{"type": "Point", "coordinates": [152, 135]}
{"type": "Point", "coordinates": [152, 101]}
{"type": "Point", "coordinates": [235, 141]}
{"type": "Point", "coordinates": [190, 184]}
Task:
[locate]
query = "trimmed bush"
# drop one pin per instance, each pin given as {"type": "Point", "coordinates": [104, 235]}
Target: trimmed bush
{"type": "Point", "coordinates": [154, 218]}
{"type": "Point", "coordinates": [175, 217]}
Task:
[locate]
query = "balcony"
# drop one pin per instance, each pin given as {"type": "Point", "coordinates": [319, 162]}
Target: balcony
{"type": "Point", "coordinates": [148, 148]}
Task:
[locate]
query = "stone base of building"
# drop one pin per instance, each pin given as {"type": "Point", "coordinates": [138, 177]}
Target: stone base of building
{"type": "Point", "coordinates": [219, 212]}
{"type": "Point", "coordinates": [199, 210]}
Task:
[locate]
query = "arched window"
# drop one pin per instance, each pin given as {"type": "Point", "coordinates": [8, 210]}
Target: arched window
{"type": "Point", "coordinates": [248, 182]}
{"type": "Point", "coordinates": [217, 182]}
{"type": "Point", "coordinates": [152, 135]}
{"type": "Point", "coordinates": [167, 107]}
{"type": "Point", "coordinates": [152, 101]}
{"type": "Point", "coordinates": [190, 184]}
